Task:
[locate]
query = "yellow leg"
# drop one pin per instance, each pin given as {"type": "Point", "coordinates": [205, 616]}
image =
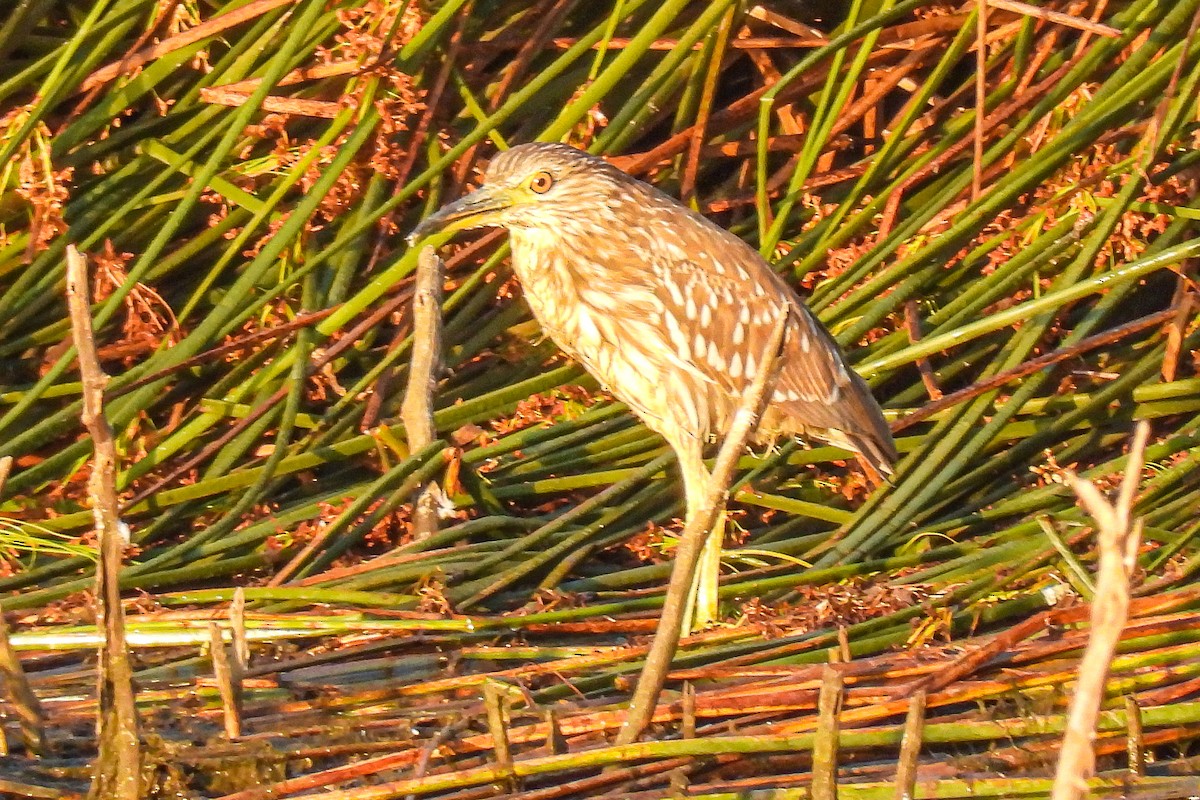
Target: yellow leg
{"type": "Point", "coordinates": [702, 595]}
{"type": "Point", "coordinates": [708, 576]}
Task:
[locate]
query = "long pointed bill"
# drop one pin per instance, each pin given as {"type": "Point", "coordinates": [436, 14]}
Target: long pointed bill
{"type": "Point", "coordinates": [476, 210]}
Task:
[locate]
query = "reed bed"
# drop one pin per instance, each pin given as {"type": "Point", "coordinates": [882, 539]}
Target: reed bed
{"type": "Point", "coordinates": [996, 216]}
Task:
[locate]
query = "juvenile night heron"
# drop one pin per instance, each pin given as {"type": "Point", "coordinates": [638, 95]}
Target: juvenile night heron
{"type": "Point", "coordinates": [667, 310]}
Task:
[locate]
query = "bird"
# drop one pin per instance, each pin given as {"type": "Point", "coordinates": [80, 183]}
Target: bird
{"type": "Point", "coordinates": [668, 311]}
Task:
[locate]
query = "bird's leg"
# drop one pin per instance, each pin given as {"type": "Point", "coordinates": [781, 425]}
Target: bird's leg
{"type": "Point", "coordinates": [702, 505]}
{"type": "Point", "coordinates": [703, 611]}
{"type": "Point", "coordinates": [696, 485]}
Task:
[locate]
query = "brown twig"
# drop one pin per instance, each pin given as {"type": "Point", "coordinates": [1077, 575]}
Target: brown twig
{"type": "Point", "coordinates": [295, 106]}
{"type": "Point", "coordinates": [691, 542]}
{"type": "Point", "coordinates": [163, 12]}
{"type": "Point", "coordinates": [1183, 301]}
{"type": "Point", "coordinates": [416, 411]}
{"type": "Point", "coordinates": [738, 111]}
{"type": "Point", "coordinates": [687, 189]}
{"type": "Point", "coordinates": [117, 768]}
{"type": "Point", "coordinates": [785, 23]}
{"type": "Point", "coordinates": [1057, 17]}
{"type": "Point", "coordinates": [972, 659]}
{"type": "Point", "coordinates": [1118, 536]}
{"type": "Point", "coordinates": [1154, 131]}
{"type": "Point", "coordinates": [1031, 366]}
{"type": "Point", "coordinates": [912, 325]}
{"type": "Point", "coordinates": [192, 35]}
{"type": "Point", "coordinates": [316, 72]}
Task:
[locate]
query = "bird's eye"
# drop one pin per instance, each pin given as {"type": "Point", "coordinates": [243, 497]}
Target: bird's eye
{"type": "Point", "coordinates": [541, 182]}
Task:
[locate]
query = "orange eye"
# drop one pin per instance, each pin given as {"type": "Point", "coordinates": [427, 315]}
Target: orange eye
{"type": "Point", "coordinates": [541, 182]}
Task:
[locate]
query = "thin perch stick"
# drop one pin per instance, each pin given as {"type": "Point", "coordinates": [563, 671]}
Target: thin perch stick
{"type": "Point", "coordinates": [1118, 538]}
{"type": "Point", "coordinates": [691, 542]}
{"type": "Point", "coordinates": [116, 772]}
{"type": "Point", "coordinates": [417, 409]}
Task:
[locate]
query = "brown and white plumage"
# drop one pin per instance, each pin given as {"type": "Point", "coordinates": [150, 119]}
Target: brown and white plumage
{"type": "Point", "coordinates": [666, 309]}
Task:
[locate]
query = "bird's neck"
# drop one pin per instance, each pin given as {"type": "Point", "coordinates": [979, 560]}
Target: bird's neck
{"type": "Point", "coordinates": [542, 265]}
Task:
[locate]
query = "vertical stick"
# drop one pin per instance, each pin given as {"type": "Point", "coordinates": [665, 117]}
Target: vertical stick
{"type": "Point", "coordinates": [224, 674]}
{"type": "Point", "coordinates": [493, 700]}
{"type": "Point", "coordinates": [237, 626]}
{"type": "Point", "coordinates": [1118, 536]}
{"type": "Point", "coordinates": [118, 762]}
{"type": "Point", "coordinates": [843, 651]}
{"type": "Point", "coordinates": [240, 652]}
{"type": "Point", "coordinates": [687, 726]}
{"type": "Point", "coordinates": [1133, 738]}
{"type": "Point", "coordinates": [910, 746]}
{"type": "Point", "coordinates": [556, 743]}
{"type": "Point", "coordinates": [417, 409]}
{"type": "Point", "coordinates": [825, 744]}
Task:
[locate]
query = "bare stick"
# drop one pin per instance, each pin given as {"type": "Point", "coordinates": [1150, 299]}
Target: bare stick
{"type": "Point", "coordinates": [238, 663]}
{"type": "Point", "coordinates": [417, 409]}
{"type": "Point", "coordinates": [825, 743]}
{"type": "Point", "coordinates": [1134, 746]}
{"type": "Point", "coordinates": [1118, 537]}
{"type": "Point", "coordinates": [687, 726]}
{"type": "Point", "coordinates": [223, 672]}
{"type": "Point", "coordinates": [691, 541]}
{"type": "Point", "coordinates": [910, 746]}
{"type": "Point", "coordinates": [29, 710]}
{"type": "Point", "coordinates": [556, 743]}
{"type": "Point", "coordinates": [494, 700]}
{"type": "Point", "coordinates": [116, 774]}
{"type": "Point", "coordinates": [1057, 17]}
{"type": "Point", "coordinates": [237, 625]}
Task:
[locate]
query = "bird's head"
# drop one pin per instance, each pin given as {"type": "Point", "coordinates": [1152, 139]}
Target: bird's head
{"type": "Point", "coordinates": [539, 185]}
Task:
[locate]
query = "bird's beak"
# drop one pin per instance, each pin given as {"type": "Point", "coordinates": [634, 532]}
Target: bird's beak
{"type": "Point", "coordinates": [477, 210]}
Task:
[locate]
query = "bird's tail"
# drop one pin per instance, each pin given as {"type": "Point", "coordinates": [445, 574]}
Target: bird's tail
{"type": "Point", "coordinates": [877, 454]}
